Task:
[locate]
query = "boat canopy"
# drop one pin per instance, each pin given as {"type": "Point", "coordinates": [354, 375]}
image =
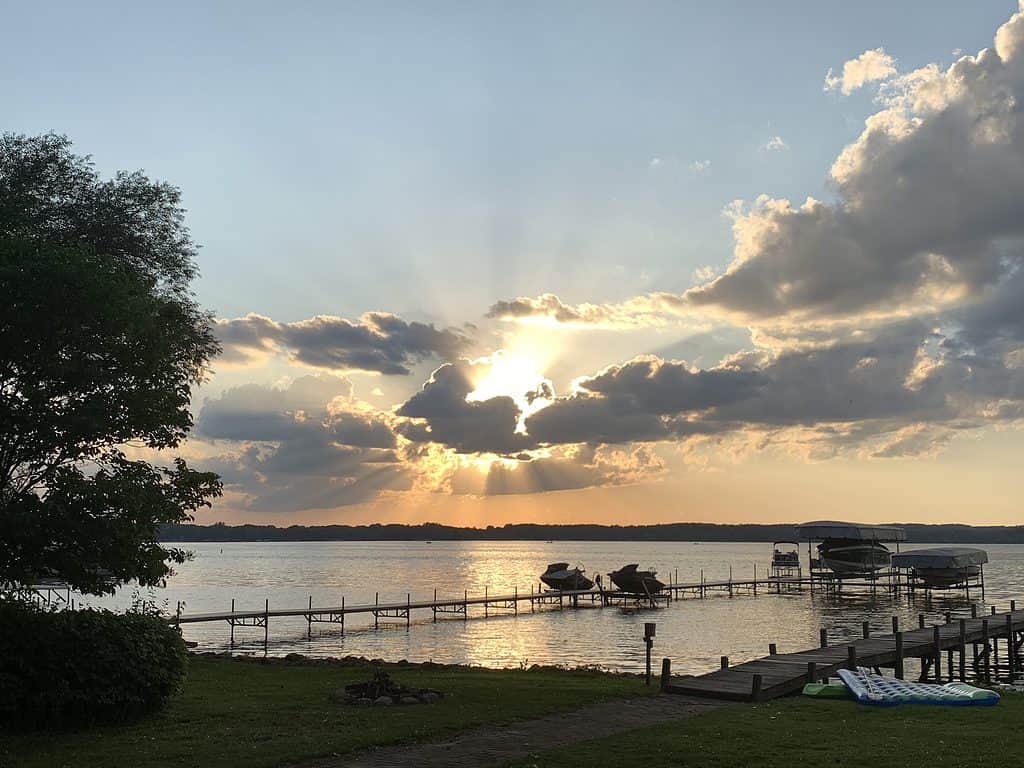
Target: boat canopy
{"type": "Point", "coordinates": [832, 529]}
{"type": "Point", "coordinates": [940, 557]}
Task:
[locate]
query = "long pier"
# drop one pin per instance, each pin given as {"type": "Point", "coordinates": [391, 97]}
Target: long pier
{"type": "Point", "coordinates": [980, 648]}
{"type": "Point", "coordinates": [533, 600]}
{"type": "Point", "coordinates": [501, 604]}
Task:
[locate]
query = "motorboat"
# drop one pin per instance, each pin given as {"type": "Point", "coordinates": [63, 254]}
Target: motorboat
{"type": "Point", "coordinates": [636, 582]}
{"type": "Point", "coordinates": [853, 556]}
{"type": "Point", "coordinates": [943, 567]}
{"type": "Point", "coordinates": [851, 549]}
{"type": "Point", "coordinates": [565, 579]}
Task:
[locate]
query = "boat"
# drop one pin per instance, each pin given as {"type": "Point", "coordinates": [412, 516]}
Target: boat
{"type": "Point", "coordinates": [785, 554]}
{"type": "Point", "coordinates": [853, 556]}
{"type": "Point", "coordinates": [563, 578]}
{"type": "Point", "coordinates": [851, 549]}
{"type": "Point", "coordinates": [636, 582]}
{"type": "Point", "coordinates": [942, 567]}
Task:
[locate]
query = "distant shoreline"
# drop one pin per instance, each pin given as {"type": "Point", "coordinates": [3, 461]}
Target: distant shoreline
{"type": "Point", "coordinates": [703, 532]}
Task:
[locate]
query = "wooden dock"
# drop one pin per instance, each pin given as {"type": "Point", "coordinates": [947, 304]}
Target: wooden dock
{"type": "Point", "coordinates": [981, 648]}
{"type": "Point", "coordinates": [532, 601]}
{"type": "Point", "coordinates": [486, 604]}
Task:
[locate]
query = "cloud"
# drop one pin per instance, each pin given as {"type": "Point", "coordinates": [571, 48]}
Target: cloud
{"type": "Point", "coordinates": [775, 144]}
{"type": "Point", "coordinates": [440, 413]}
{"type": "Point", "coordinates": [871, 66]}
{"type": "Point", "coordinates": [310, 444]}
{"type": "Point", "coordinates": [649, 310]}
{"type": "Point", "coordinates": [655, 162]}
{"type": "Point", "coordinates": [570, 469]}
{"type": "Point", "coordinates": [701, 167]}
{"type": "Point", "coordinates": [881, 325]}
{"type": "Point", "coordinates": [929, 210]}
{"type": "Point", "coordinates": [379, 342]}
{"type": "Point", "coordinates": [256, 412]}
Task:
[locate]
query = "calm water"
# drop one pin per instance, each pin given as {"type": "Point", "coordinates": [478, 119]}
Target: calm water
{"type": "Point", "coordinates": [693, 632]}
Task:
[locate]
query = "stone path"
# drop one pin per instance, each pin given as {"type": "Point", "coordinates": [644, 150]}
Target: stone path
{"type": "Point", "coordinates": [493, 745]}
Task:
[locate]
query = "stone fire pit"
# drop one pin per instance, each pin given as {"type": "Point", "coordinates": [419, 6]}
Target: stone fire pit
{"type": "Point", "coordinates": [382, 691]}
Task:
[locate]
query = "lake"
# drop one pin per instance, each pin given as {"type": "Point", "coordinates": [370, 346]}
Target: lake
{"type": "Point", "coordinates": [692, 632]}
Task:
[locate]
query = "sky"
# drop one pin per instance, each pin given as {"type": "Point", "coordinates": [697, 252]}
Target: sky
{"type": "Point", "coordinates": [578, 262]}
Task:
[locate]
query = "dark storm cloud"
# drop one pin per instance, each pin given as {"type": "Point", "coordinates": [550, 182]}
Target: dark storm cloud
{"type": "Point", "coordinates": [379, 342]}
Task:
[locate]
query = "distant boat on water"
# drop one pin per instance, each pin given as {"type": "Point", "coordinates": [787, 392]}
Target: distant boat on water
{"type": "Point", "coordinates": [636, 582]}
{"type": "Point", "coordinates": [563, 578]}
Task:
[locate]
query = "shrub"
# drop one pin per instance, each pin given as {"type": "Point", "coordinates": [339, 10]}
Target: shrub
{"type": "Point", "coordinates": [84, 666]}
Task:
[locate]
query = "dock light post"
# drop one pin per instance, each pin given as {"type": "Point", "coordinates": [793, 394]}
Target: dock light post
{"type": "Point", "coordinates": [649, 632]}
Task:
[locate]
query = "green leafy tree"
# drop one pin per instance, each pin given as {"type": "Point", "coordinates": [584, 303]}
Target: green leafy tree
{"type": "Point", "coordinates": [101, 341]}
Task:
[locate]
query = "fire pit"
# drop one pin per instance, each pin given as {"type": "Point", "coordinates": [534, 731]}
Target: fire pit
{"type": "Point", "coordinates": [382, 691]}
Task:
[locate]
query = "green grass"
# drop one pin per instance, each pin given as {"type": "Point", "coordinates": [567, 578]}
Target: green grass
{"type": "Point", "coordinates": [242, 713]}
{"type": "Point", "coordinates": [819, 733]}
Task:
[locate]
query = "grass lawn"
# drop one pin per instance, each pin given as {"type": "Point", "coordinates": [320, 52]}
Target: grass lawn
{"type": "Point", "coordinates": [803, 732]}
{"type": "Point", "coordinates": [242, 713]}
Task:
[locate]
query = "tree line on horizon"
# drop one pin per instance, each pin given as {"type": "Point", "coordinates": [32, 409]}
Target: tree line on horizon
{"type": "Point", "coordinates": [703, 532]}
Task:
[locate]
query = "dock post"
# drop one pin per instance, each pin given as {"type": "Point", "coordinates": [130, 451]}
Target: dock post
{"type": "Point", "coordinates": [755, 579]}
{"type": "Point", "coordinates": [532, 608]}
{"type": "Point", "coordinates": [755, 688]}
{"type": "Point", "coordinates": [702, 582]}
{"type": "Point", "coordinates": [823, 636]}
{"type": "Point", "coordinates": [309, 620]}
{"type": "Point", "coordinates": [812, 672]}
{"type": "Point", "coordinates": [486, 613]}
{"type": "Point", "coordinates": [730, 579]}
{"type": "Point", "coordinates": [266, 625]}
{"type": "Point", "coordinates": [984, 640]}
{"type": "Point", "coordinates": [949, 617]}
{"type": "Point", "coordinates": [232, 622]}
{"type": "Point", "coordinates": [1011, 650]}
{"type": "Point", "coordinates": [343, 614]}
{"type": "Point", "coordinates": [993, 611]}
{"type": "Point", "coordinates": [649, 630]}
{"type": "Point", "coordinates": [851, 658]}
{"type": "Point", "coordinates": [963, 650]}
{"type": "Point", "coordinates": [920, 621]}
{"type": "Point", "coordinates": [895, 624]}
{"type": "Point", "coordinates": [899, 656]}
{"type": "Point", "coordinates": [666, 673]}
{"type": "Point", "coordinates": [376, 601]}
{"type": "Point", "coordinates": [995, 655]}
{"type": "Point", "coordinates": [724, 662]}
{"type": "Point", "coordinates": [1013, 606]}
{"type": "Point", "coordinates": [177, 617]}
{"type": "Point", "coordinates": [515, 600]}
{"type": "Point", "coordinates": [937, 653]}
{"type": "Point", "coordinates": [465, 605]}
{"type": "Point", "coordinates": [772, 649]}
{"type": "Point", "coordinates": [408, 608]}
{"type": "Point", "coordinates": [433, 608]}
{"type": "Point", "coordinates": [865, 629]}
{"type": "Point", "coordinates": [974, 610]}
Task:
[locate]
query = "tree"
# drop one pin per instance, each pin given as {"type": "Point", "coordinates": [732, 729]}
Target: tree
{"type": "Point", "coordinates": [101, 341]}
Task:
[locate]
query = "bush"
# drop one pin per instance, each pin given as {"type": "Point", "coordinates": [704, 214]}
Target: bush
{"type": "Point", "coordinates": [84, 666]}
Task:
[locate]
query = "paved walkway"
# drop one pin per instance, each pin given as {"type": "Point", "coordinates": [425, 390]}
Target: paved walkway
{"type": "Point", "coordinates": [494, 745]}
